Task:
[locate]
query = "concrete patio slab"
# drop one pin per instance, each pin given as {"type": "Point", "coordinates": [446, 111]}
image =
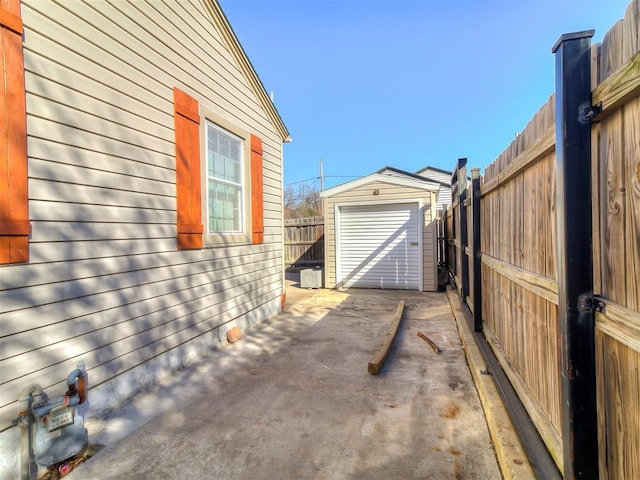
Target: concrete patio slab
{"type": "Point", "coordinates": [293, 400]}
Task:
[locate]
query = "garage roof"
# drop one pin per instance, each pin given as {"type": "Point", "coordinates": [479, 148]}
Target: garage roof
{"type": "Point", "coordinates": [408, 181]}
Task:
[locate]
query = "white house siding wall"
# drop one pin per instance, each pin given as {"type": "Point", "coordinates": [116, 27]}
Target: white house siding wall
{"type": "Point", "coordinates": [364, 194]}
{"type": "Point", "coordinates": [436, 175]}
{"type": "Point", "coordinates": [444, 196]}
{"type": "Point", "coordinates": [105, 282]}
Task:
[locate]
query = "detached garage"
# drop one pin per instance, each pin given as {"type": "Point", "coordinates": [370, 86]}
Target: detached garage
{"type": "Point", "coordinates": [379, 233]}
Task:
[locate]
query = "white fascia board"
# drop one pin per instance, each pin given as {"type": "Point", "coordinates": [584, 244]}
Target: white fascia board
{"type": "Point", "coordinates": [383, 178]}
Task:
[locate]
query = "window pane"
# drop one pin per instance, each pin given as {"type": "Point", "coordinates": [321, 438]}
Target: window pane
{"type": "Point", "coordinates": [224, 181]}
{"type": "Point", "coordinates": [224, 155]}
{"type": "Point", "coordinates": [224, 208]}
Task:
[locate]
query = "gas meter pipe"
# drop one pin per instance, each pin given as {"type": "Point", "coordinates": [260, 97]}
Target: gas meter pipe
{"type": "Point", "coordinates": [76, 386]}
{"type": "Point", "coordinates": [28, 468]}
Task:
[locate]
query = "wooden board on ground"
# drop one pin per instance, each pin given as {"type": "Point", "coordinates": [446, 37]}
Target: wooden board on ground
{"type": "Point", "coordinates": [380, 356]}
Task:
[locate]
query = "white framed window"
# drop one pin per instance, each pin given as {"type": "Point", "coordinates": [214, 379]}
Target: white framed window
{"type": "Point", "coordinates": [226, 184]}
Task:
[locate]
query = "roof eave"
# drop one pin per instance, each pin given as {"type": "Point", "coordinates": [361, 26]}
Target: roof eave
{"type": "Point", "coordinates": [226, 30]}
{"type": "Point", "coordinates": [422, 184]}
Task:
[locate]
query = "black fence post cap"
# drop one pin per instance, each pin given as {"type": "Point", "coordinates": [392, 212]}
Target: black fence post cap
{"type": "Point", "coordinates": [572, 36]}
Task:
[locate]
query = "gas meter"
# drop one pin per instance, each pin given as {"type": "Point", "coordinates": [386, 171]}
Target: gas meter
{"type": "Point", "coordinates": [57, 425]}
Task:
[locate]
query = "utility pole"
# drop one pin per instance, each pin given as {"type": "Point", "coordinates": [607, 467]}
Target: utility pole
{"type": "Point", "coordinates": [321, 177]}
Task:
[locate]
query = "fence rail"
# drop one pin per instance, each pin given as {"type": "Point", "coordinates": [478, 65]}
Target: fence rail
{"type": "Point", "coordinates": [519, 303]}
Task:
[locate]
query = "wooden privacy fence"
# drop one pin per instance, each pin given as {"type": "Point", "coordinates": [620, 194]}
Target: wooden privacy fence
{"type": "Point", "coordinates": [511, 244]}
{"type": "Point", "coordinates": [304, 241]}
{"type": "Point", "coordinates": [441, 238]}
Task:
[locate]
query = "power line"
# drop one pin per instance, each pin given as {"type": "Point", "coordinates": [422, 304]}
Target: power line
{"type": "Point", "coordinates": [302, 181]}
{"type": "Point", "coordinates": [318, 178]}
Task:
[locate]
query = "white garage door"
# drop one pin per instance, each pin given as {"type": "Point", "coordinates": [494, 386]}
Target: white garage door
{"type": "Point", "coordinates": [378, 246]}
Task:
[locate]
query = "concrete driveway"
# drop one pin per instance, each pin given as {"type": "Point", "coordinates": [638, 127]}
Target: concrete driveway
{"type": "Point", "coordinates": [293, 400]}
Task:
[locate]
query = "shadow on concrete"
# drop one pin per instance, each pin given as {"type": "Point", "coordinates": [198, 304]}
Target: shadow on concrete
{"type": "Point", "coordinates": [294, 400]}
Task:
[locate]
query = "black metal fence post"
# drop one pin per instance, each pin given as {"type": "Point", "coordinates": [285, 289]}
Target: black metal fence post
{"type": "Point", "coordinates": [477, 264]}
{"type": "Point", "coordinates": [575, 261]}
{"type": "Point", "coordinates": [461, 168]}
{"type": "Point", "coordinates": [446, 235]}
{"type": "Point", "coordinates": [453, 252]}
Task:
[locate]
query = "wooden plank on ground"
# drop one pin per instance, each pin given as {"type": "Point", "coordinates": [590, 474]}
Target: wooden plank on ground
{"type": "Point", "coordinates": [376, 363]}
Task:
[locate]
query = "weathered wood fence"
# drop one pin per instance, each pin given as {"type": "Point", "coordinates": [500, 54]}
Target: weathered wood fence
{"type": "Point", "coordinates": [503, 240]}
{"type": "Point", "coordinates": [304, 241]}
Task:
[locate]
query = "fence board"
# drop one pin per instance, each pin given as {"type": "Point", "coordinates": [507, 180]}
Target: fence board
{"type": "Point", "coordinates": [548, 432]}
{"type": "Point", "coordinates": [630, 31]}
{"type": "Point", "coordinates": [517, 224]}
{"type": "Point", "coordinates": [541, 148]}
{"type": "Point", "coordinates": [611, 51]}
{"type": "Point", "coordinates": [631, 187]}
{"type": "Point", "coordinates": [612, 208]}
{"type": "Point", "coordinates": [596, 201]}
{"type": "Point", "coordinates": [618, 406]}
{"type": "Point", "coordinates": [534, 225]}
{"type": "Point", "coordinates": [304, 241]}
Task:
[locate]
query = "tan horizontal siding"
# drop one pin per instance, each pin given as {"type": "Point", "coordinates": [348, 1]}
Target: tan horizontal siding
{"type": "Point", "coordinates": [114, 131]}
{"type": "Point", "coordinates": [67, 154]}
{"type": "Point", "coordinates": [73, 302]}
{"type": "Point", "coordinates": [385, 192]}
{"type": "Point", "coordinates": [46, 253]}
{"type": "Point", "coordinates": [64, 174]}
{"type": "Point", "coordinates": [90, 331]}
{"type": "Point", "coordinates": [105, 281]}
{"type": "Point", "coordinates": [179, 55]}
{"type": "Point", "coordinates": [55, 232]}
{"type": "Point", "coordinates": [86, 143]}
{"type": "Point", "coordinates": [118, 357]}
{"type": "Point", "coordinates": [46, 211]}
{"type": "Point", "coordinates": [47, 190]}
{"type": "Point", "coordinates": [214, 258]}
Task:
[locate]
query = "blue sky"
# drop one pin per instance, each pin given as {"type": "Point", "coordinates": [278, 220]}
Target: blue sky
{"type": "Point", "coordinates": [362, 84]}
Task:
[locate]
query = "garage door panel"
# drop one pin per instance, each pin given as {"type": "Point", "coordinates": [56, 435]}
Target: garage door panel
{"type": "Point", "coordinates": [379, 246]}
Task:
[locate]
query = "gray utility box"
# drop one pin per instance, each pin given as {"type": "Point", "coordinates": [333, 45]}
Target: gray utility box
{"type": "Point", "coordinates": [311, 277]}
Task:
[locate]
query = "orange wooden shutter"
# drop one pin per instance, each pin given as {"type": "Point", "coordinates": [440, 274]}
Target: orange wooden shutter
{"type": "Point", "coordinates": [14, 201]}
{"type": "Point", "coordinates": [188, 196]}
{"type": "Point", "coordinates": [257, 200]}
